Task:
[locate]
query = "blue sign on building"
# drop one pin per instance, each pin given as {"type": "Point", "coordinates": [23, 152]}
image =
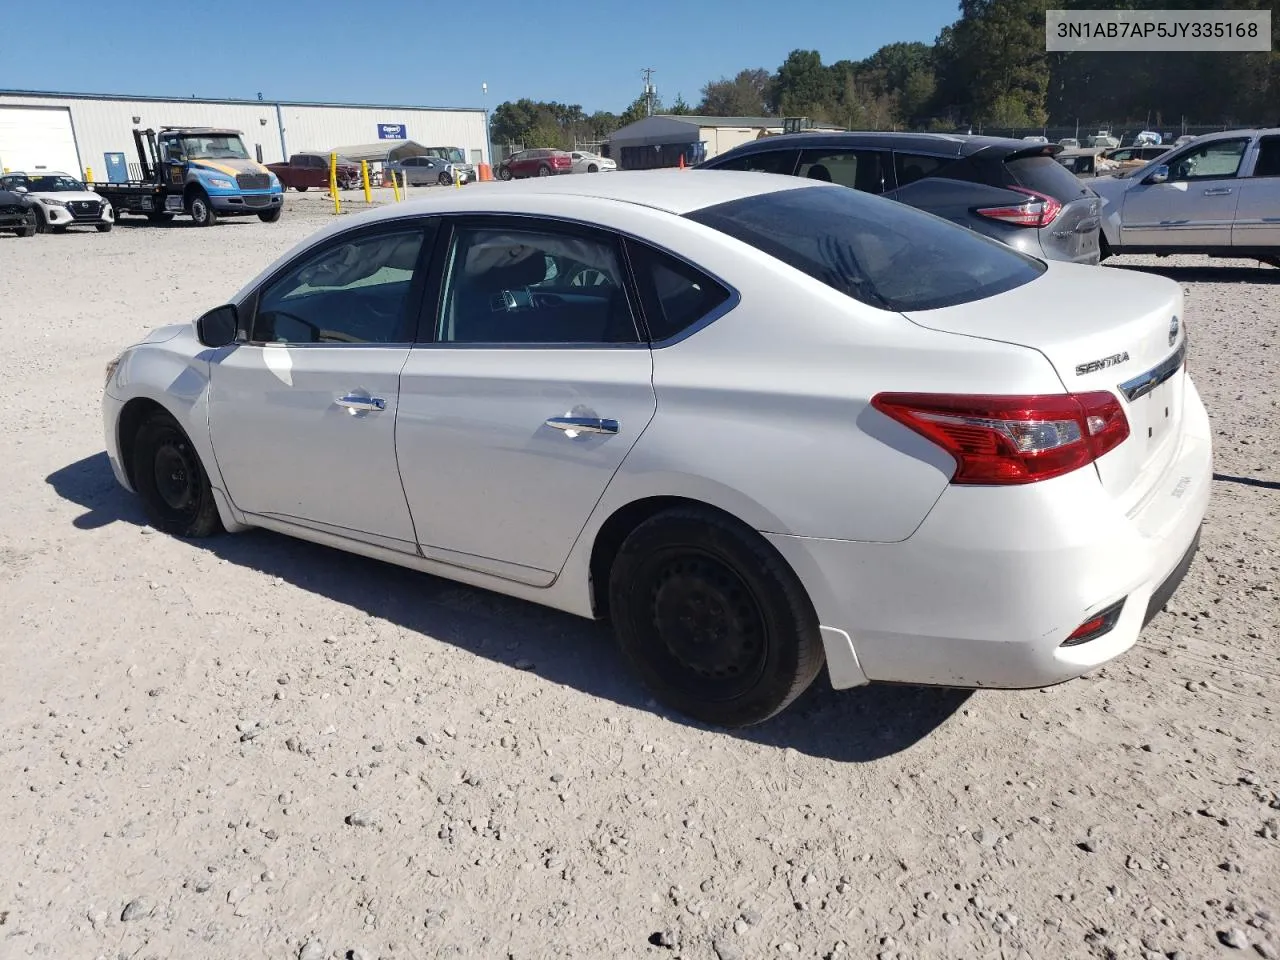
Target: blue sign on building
{"type": "Point", "coordinates": [392, 131]}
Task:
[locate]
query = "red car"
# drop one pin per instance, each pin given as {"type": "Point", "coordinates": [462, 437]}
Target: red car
{"type": "Point", "coordinates": [306, 170]}
{"type": "Point", "coordinates": [535, 163]}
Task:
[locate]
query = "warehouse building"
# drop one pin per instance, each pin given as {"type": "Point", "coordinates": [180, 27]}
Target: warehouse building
{"type": "Point", "coordinates": [662, 140]}
{"type": "Point", "coordinates": [75, 132]}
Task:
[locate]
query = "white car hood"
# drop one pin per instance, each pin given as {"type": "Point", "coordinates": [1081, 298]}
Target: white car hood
{"type": "Point", "coordinates": [66, 195]}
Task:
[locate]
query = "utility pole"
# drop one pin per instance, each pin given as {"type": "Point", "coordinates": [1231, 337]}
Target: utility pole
{"type": "Point", "coordinates": [648, 73]}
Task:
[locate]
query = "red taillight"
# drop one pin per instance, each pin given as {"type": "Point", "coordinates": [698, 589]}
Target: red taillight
{"type": "Point", "coordinates": [562, 161]}
{"type": "Point", "coordinates": [1008, 440]}
{"type": "Point", "coordinates": [1039, 211]}
{"type": "Point", "coordinates": [1100, 623]}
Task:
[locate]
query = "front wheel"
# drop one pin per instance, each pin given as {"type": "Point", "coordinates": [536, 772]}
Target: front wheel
{"type": "Point", "coordinates": [104, 227]}
{"type": "Point", "coordinates": [445, 180]}
{"type": "Point", "coordinates": [169, 477]}
{"type": "Point", "coordinates": [592, 168]}
{"type": "Point", "coordinates": [712, 619]}
{"type": "Point", "coordinates": [301, 189]}
{"type": "Point", "coordinates": [29, 225]}
{"type": "Point", "coordinates": [504, 173]}
{"type": "Point", "coordinates": [201, 210]}
{"type": "Point", "coordinates": [271, 216]}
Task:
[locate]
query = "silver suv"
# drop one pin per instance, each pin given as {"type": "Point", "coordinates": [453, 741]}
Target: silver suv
{"type": "Point", "coordinates": [1217, 195]}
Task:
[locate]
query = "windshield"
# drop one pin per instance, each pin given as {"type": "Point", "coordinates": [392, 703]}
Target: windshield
{"type": "Point", "coordinates": [220, 147]}
{"type": "Point", "coordinates": [451, 154]}
{"type": "Point", "coordinates": [880, 252]}
{"type": "Point", "coordinates": [55, 183]}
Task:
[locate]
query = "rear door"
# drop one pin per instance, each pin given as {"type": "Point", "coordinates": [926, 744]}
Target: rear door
{"type": "Point", "coordinates": [534, 386]}
{"type": "Point", "coordinates": [1195, 207]}
{"type": "Point", "coordinates": [1257, 222]}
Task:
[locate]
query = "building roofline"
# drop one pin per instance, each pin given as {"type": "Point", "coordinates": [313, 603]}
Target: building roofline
{"type": "Point", "coordinates": [58, 95]}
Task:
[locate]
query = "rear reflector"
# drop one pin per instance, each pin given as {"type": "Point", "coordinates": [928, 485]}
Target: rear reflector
{"type": "Point", "coordinates": [1038, 211]}
{"type": "Point", "coordinates": [1011, 440]}
{"type": "Point", "coordinates": [1097, 625]}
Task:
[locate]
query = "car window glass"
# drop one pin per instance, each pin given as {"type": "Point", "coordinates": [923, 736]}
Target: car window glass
{"type": "Point", "coordinates": [1268, 164]}
{"type": "Point", "coordinates": [764, 161]}
{"type": "Point", "coordinates": [1045, 175]}
{"type": "Point", "coordinates": [529, 286]}
{"type": "Point", "coordinates": [911, 167]}
{"type": "Point", "coordinates": [356, 292]}
{"type": "Point", "coordinates": [1216, 160]}
{"type": "Point", "coordinates": [887, 255]}
{"type": "Point", "coordinates": [677, 295]}
{"type": "Point", "coordinates": [865, 170]}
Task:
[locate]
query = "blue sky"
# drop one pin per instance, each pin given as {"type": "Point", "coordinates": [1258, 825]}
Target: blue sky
{"type": "Point", "coordinates": [581, 51]}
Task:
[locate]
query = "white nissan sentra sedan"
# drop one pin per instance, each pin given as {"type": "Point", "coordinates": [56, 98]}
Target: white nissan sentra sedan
{"type": "Point", "coordinates": [757, 422]}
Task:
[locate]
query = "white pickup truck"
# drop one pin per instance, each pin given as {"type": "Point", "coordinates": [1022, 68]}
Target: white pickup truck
{"type": "Point", "coordinates": [1218, 195]}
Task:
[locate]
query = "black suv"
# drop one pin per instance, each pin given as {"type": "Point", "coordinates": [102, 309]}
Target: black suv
{"type": "Point", "coordinates": [1010, 190]}
{"type": "Point", "coordinates": [16, 214]}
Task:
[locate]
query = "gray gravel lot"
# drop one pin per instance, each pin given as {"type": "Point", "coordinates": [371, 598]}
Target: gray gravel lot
{"type": "Point", "coordinates": [255, 747]}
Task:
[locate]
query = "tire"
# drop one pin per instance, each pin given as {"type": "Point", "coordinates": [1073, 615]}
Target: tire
{"type": "Point", "coordinates": [592, 168]}
{"type": "Point", "coordinates": [42, 225]}
{"type": "Point", "coordinates": [504, 173]}
{"type": "Point", "coordinates": [445, 180]}
{"type": "Point", "coordinates": [170, 479]}
{"type": "Point", "coordinates": [105, 227]}
{"type": "Point", "coordinates": [58, 228]}
{"type": "Point", "coordinates": [271, 216]}
{"type": "Point", "coordinates": [201, 209]}
{"type": "Point", "coordinates": [688, 576]}
{"type": "Point", "coordinates": [30, 224]}
{"type": "Point", "coordinates": [1104, 249]}
{"type": "Point", "coordinates": [544, 171]}
{"type": "Point", "coordinates": [301, 189]}
{"type": "Point", "coordinates": [159, 218]}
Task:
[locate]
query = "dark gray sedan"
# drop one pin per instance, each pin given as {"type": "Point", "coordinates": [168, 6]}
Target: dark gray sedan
{"type": "Point", "coordinates": [1010, 190]}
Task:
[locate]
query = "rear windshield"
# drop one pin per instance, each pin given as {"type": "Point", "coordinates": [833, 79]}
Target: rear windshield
{"type": "Point", "coordinates": [880, 252]}
{"type": "Point", "coordinates": [1046, 175]}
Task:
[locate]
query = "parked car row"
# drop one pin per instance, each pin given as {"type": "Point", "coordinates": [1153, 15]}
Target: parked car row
{"type": "Point", "coordinates": [541, 162]}
{"type": "Point", "coordinates": [53, 202]}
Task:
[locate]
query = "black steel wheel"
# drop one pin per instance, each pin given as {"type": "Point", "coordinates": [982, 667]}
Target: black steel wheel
{"type": "Point", "coordinates": [712, 619]}
{"type": "Point", "coordinates": [170, 479]}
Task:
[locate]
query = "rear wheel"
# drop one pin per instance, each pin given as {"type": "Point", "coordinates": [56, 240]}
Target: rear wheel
{"type": "Point", "coordinates": [29, 225]}
{"type": "Point", "coordinates": [169, 477]}
{"type": "Point", "coordinates": [201, 209]}
{"type": "Point", "coordinates": [301, 189]}
{"type": "Point", "coordinates": [271, 216]}
{"type": "Point", "coordinates": [712, 619]}
{"type": "Point", "coordinates": [544, 171]}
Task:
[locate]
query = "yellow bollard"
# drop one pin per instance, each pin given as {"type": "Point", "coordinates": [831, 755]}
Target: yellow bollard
{"type": "Point", "coordinates": [88, 175]}
{"type": "Point", "coordinates": [395, 183]}
{"type": "Point", "coordinates": [333, 182]}
{"type": "Point", "coordinates": [364, 176]}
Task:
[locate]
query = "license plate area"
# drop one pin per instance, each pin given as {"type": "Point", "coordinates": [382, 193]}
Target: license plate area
{"type": "Point", "coordinates": [1155, 414]}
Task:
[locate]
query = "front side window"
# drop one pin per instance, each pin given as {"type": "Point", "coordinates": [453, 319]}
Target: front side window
{"type": "Point", "coordinates": [865, 170]}
{"type": "Point", "coordinates": [1212, 161]}
{"type": "Point", "coordinates": [1268, 164]}
{"type": "Point", "coordinates": [884, 254]}
{"type": "Point", "coordinates": [529, 286]}
{"type": "Point", "coordinates": [355, 292]}
{"type": "Point", "coordinates": [763, 161]}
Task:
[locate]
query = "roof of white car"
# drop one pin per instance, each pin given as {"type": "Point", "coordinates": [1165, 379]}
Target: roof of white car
{"type": "Point", "coordinates": [672, 190]}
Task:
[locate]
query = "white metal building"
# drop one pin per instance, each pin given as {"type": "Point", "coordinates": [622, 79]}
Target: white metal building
{"type": "Point", "coordinates": [72, 131]}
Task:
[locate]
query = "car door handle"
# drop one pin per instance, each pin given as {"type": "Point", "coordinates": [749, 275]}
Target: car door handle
{"type": "Point", "coordinates": [576, 425]}
{"type": "Point", "coordinates": [1217, 191]}
{"type": "Point", "coordinates": [358, 404]}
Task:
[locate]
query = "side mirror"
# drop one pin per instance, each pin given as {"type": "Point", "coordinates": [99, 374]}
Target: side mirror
{"type": "Point", "coordinates": [219, 326]}
{"type": "Point", "coordinates": [19, 189]}
{"type": "Point", "coordinates": [1159, 175]}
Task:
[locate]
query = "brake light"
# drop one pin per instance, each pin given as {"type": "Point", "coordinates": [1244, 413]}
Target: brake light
{"type": "Point", "coordinates": [1038, 211]}
{"type": "Point", "coordinates": [1100, 623]}
{"type": "Point", "coordinates": [1012, 439]}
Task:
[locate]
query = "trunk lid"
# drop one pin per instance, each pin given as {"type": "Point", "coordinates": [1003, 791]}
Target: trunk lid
{"type": "Point", "coordinates": [1133, 347]}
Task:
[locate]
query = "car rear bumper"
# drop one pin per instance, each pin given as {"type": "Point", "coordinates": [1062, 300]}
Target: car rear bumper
{"type": "Point", "coordinates": [986, 590]}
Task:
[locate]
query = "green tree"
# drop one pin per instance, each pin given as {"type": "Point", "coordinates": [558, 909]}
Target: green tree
{"type": "Point", "coordinates": [679, 108]}
{"type": "Point", "coordinates": [804, 87]}
{"type": "Point", "coordinates": [997, 61]}
{"type": "Point", "coordinates": [743, 96]}
{"type": "Point", "coordinates": [639, 109]}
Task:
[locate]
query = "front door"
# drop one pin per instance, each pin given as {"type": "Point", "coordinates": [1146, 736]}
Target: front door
{"type": "Point", "coordinates": [537, 384]}
{"type": "Point", "coordinates": [117, 167]}
{"type": "Point", "coordinates": [302, 414]}
{"type": "Point", "coordinates": [1195, 207]}
{"type": "Point", "coordinates": [1258, 215]}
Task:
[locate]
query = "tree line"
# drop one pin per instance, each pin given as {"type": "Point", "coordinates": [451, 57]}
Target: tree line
{"type": "Point", "coordinates": [987, 69]}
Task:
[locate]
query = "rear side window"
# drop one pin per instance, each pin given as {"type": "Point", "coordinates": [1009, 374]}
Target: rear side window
{"type": "Point", "coordinates": [1268, 164]}
{"type": "Point", "coordinates": [911, 167]}
{"type": "Point", "coordinates": [877, 251]}
{"type": "Point", "coordinates": [865, 170]}
{"type": "Point", "coordinates": [1046, 175]}
{"type": "Point", "coordinates": [676, 296]}
{"type": "Point", "coordinates": [765, 161]}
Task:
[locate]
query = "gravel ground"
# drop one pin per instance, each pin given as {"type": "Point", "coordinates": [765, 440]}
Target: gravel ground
{"type": "Point", "coordinates": [254, 747]}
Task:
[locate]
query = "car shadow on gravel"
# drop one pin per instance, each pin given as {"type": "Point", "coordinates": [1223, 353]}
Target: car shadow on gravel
{"type": "Point", "coordinates": [853, 726]}
{"type": "Point", "coordinates": [1206, 274]}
